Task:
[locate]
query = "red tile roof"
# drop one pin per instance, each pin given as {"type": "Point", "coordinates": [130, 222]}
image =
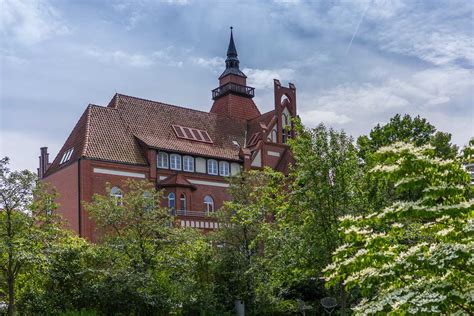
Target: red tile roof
{"type": "Point", "coordinates": [111, 133]}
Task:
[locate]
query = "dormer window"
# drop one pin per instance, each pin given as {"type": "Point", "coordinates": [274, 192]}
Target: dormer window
{"type": "Point", "coordinates": [67, 155]}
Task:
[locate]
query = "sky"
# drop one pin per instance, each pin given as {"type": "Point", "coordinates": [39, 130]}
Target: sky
{"type": "Point", "coordinates": [354, 63]}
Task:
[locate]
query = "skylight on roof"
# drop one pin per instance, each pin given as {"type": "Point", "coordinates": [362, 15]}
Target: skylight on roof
{"type": "Point", "coordinates": [67, 155]}
{"type": "Point", "coordinates": [192, 134]}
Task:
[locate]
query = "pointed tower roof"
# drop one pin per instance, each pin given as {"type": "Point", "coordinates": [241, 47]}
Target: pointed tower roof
{"type": "Point", "coordinates": [231, 50]}
{"type": "Point", "coordinates": [232, 60]}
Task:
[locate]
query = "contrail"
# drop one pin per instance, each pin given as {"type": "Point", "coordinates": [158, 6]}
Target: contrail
{"type": "Point", "coordinates": [357, 28]}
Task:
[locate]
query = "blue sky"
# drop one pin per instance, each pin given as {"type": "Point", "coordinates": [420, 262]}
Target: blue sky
{"type": "Point", "coordinates": [354, 63]}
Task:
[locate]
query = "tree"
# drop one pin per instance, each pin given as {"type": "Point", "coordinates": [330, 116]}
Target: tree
{"type": "Point", "coordinates": [416, 255]}
{"type": "Point", "coordinates": [28, 225]}
{"type": "Point", "coordinates": [135, 231]}
{"type": "Point", "coordinates": [325, 183]}
{"type": "Point", "coordinates": [405, 129]}
{"type": "Point", "coordinates": [240, 272]}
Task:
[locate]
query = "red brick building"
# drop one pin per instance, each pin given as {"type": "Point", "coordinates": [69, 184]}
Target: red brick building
{"type": "Point", "coordinates": [187, 153]}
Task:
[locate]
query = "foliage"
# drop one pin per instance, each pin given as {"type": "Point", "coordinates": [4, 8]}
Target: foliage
{"type": "Point", "coordinates": [28, 227]}
{"type": "Point", "coordinates": [239, 257]}
{"type": "Point", "coordinates": [416, 255]}
{"type": "Point", "coordinates": [406, 129]}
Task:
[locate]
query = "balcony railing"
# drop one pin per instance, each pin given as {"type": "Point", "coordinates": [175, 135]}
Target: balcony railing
{"type": "Point", "coordinates": [193, 213]}
{"type": "Point", "coordinates": [233, 87]}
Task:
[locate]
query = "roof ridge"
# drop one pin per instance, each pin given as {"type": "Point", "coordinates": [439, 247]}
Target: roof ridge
{"type": "Point", "coordinates": [86, 138]}
{"type": "Point", "coordinates": [167, 104]}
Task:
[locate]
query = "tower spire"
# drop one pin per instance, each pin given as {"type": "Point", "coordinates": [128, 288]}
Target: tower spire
{"type": "Point", "coordinates": [232, 62]}
{"type": "Point", "coordinates": [231, 50]}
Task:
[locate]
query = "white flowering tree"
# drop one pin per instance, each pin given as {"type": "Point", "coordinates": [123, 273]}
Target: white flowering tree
{"type": "Point", "coordinates": [417, 255]}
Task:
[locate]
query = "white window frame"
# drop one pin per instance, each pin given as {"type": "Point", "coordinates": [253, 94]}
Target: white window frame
{"type": "Point", "coordinates": [188, 163]}
{"type": "Point", "coordinates": [162, 160]}
{"type": "Point", "coordinates": [175, 164]}
{"type": "Point", "coordinates": [67, 155]}
{"type": "Point", "coordinates": [183, 203]}
{"type": "Point", "coordinates": [117, 194]}
{"type": "Point", "coordinates": [224, 168]}
{"type": "Point", "coordinates": [212, 167]}
{"type": "Point", "coordinates": [209, 204]}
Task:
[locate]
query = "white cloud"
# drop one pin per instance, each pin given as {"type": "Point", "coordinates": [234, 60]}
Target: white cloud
{"type": "Point", "coordinates": [121, 57]}
{"type": "Point", "coordinates": [30, 21]}
{"type": "Point", "coordinates": [427, 88]}
{"type": "Point", "coordinates": [263, 78]}
{"type": "Point", "coordinates": [314, 117]}
{"type": "Point", "coordinates": [212, 62]}
{"type": "Point", "coordinates": [163, 57]}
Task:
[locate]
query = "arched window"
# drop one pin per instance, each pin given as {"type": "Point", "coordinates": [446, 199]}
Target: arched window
{"type": "Point", "coordinates": [182, 201]}
{"type": "Point", "coordinates": [162, 160]}
{"type": "Point", "coordinates": [188, 163]}
{"type": "Point", "coordinates": [171, 201]}
{"type": "Point", "coordinates": [212, 167]}
{"type": "Point", "coordinates": [209, 204]}
{"type": "Point", "coordinates": [175, 162]}
{"type": "Point", "coordinates": [116, 193]}
{"type": "Point", "coordinates": [224, 168]}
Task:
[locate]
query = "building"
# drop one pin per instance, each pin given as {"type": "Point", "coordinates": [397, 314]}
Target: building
{"type": "Point", "coordinates": [187, 153]}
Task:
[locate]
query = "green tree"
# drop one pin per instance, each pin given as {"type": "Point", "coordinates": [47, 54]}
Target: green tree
{"type": "Point", "coordinates": [66, 282]}
{"type": "Point", "coordinates": [28, 226]}
{"type": "Point", "coordinates": [324, 184]}
{"type": "Point", "coordinates": [406, 129]}
{"type": "Point", "coordinates": [416, 255]}
{"type": "Point", "coordinates": [239, 252]}
{"type": "Point", "coordinates": [135, 230]}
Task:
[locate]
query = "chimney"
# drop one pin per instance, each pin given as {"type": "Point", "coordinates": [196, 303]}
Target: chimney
{"type": "Point", "coordinates": [43, 162]}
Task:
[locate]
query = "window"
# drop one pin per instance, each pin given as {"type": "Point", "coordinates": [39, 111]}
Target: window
{"type": "Point", "coordinates": [284, 135]}
{"type": "Point", "coordinates": [192, 134]}
{"type": "Point", "coordinates": [284, 119]}
{"type": "Point", "coordinates": [209, 204]}
{"type": "Point", "coordinates": [116, 193]}
{"type": "Point", "coordinates": [273, 136]}
{"type": "Point", "coordinates": [171, 201]}
{"type": "Point", "coordinates": [148, 201]}
{"type": "Point", "coordinates": [188, 163]}
{"type": "Point", "coordinates": [224, 168]}
{"type": "Point", "coordinates": [212, 167]}
{"type": "Point", "coordinates": [162, 160]}
{"type": "Point", "coordinates": [175, 162]}
{"type": "Point", "coordinates": [67, 155]}
{"type": "Point", "coordinates": [182, 200]}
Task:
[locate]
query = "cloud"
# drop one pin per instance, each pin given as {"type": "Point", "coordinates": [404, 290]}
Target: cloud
{"type": "Point", "coordinates": [314, 117]}
{"type": "Point", "coordinates": [263, 78]}
{"type": "Point", "coordinates": [423, 89]}
{"type": "Point", "coordinates": [120, 57]}
{"type": "Point", "coordinates": [211, 63]}
{"type": "Point", "coordinates": [30, 21]}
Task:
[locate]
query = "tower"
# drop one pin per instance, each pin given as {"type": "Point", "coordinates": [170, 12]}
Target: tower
{"type": "Point", "coordinates": [233, 98]}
